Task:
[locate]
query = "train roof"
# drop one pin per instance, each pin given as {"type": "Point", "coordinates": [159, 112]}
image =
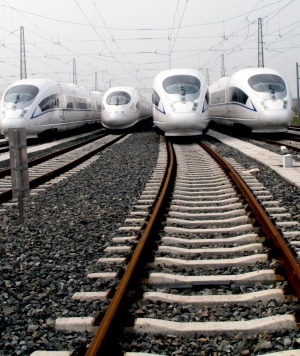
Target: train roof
{"type": "Point", "coordinates": [44, 83]}
{"type": "Point", "coordinates": [127, 89]}
{"type": "Point", "coordinates": [239, 76]}
{"type": "Point", "coordinates": [180, 71]}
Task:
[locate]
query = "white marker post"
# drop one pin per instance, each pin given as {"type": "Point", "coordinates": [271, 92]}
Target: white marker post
{"type": "Point", "coordinates": [19, 168]}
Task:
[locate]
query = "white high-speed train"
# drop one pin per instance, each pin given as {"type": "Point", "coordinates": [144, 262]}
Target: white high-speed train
{"type": "Point", "coordinates": [180, 102]}
{"type": "Point", "coordinates": [253, 99]}
{"type": "Point", "coordinates": [123, 107]}
{"type": "Point", "coordinates": [42, 105]}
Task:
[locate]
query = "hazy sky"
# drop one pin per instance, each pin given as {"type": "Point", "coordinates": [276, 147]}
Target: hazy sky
{"type": "Point", "coordinates": [128, 42]}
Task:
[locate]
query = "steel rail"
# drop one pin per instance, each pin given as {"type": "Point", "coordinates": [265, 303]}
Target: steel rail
{"type": "Point", "coordinates": [106, 333]}
{"type": "Point", "coordinates": [33, 162]}
{"type": "Point", "coordinates": [286, 257]}
{"type": "Point", "coordinates": [296, 128]}
{"type": "Point", "coordinates": [276, 143]}
{"type": "Point", "coordinates": [35, 182]}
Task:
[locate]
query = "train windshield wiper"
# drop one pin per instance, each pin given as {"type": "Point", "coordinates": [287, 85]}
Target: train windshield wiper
{"type": "Point", "coordinates": [17, 99]}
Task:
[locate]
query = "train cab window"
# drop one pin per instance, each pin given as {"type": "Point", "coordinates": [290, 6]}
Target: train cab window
{"type": "Point", "coordinates": [267, 83]}
{"type": "Point", "coordinates": [207, 97]}
{"type": "Point", "coordinates": [118, 98]}
{"type": "Point", "coordinates": [21, 93]}
{"type": "Point", "coordinates": [237, 95]}
{"type": "Point", "coordinates": [51, 102]}
{"type": "Point", "coordinates": [155, 98]}
{"type": "Point", "coordinates": [181, 84]}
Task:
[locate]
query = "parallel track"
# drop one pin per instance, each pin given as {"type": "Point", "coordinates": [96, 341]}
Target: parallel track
{"type": "Point", "coordinates": [43, 169]}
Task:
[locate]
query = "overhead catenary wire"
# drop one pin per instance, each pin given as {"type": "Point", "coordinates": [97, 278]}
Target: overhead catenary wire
{"type": "Point", "coordinates": [53, 50]}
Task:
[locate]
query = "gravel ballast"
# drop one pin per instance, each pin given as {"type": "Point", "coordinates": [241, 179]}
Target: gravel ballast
{"type": "Point", "coordinates": [66, 230]}
{"type": "Point", "coordinates": [67, 227]}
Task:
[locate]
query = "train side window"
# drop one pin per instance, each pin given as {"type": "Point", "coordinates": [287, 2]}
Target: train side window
{"type": "Point", "coordinates": [69, 101]}
{"type": "Point", "coordinates": [51, 102]}
{"type": "Point", "coordinates": [80, 103]}
{"type": "Point", "coordinates": [218, 97]}
{"type": "Point", "coordinates": [237, 95]}
{"type": "Point", "coordinates": [155, 98]}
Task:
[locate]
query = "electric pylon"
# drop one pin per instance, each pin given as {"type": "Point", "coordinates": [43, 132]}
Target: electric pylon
{"type": "Point", "coordinates": [261, 63]}
{"type": "Point", "coordinates": [23, 72]}
{"type": "Point", "coordinates": [222, 66]}
{"type": "Point", "coordinates": [74, 72]}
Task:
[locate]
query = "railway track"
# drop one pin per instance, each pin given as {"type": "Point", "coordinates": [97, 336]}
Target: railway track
{"type": "Point", "coordinates": [52, 165]}
{"type": "Point", "coordinates": [223, 274]}
{"type": "Point", "coordinates": [295, 128]}
{"type": "Point", "coordinates": [285, 141]}
{"type": "Point", "coordinates": [292, 143]}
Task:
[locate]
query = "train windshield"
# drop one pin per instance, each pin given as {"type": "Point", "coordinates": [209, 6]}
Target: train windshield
{"type": "Point", "coordinates": [267, 83]}
{"type": "Point", "coordinates": [21, 94]}
{"type": "Point", "coordinates": [181, 84]}
{"type": "Point", "coordinates": [118, 98]}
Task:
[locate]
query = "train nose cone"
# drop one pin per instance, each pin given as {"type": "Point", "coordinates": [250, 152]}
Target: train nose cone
{"type": "Point", "coordinates": [185, 123]}
{"type": "Point", "coordinates": [278, 120]}
{"type": "Point", "coordinates": [114, 120]}
{"type": "Point", "coordinates": [9, 123]}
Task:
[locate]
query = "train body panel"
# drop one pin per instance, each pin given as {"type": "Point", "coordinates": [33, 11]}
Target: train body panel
{"type": "Point", "coordinates": [257, 99]}
{"type": "Point", "coordinates": [39, 105]}
{"type": "Point", "coordinates": [123, 107]}
{"type": "Point", "coordinates": [180, 102]}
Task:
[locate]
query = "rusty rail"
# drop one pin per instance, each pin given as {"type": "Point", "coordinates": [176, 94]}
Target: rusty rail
{"type": "Point", "coordinates": [102, 343]}
{"type": "Point", "coordinates": [286, 258]}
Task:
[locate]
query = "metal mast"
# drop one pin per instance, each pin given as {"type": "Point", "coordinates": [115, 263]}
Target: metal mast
{"type": "Point", "coordinates": [298, 99]}
{"type": "Point", "coordinates": [74, 72]}
{"type": "Point", "coordinates": [96, 82]}
{"type": "Point", "coordinates": [207, 76]}
{"type": "Point", "coordinates": [23, 72]}
{"type": "Point", "coordinates": [261, 63]}
{"type": "Point", "coordinates": [222, 66]}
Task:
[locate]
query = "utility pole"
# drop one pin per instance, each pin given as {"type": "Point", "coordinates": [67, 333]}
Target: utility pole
{"type": "Point", "coordinates": [207, 76]}
{"type": "Point", "coordinates": [222, 66]}
{"type": "Point", "coordinates": [96, 82]}
{"type": "Point", "coordinates": [74, 72]}
{"type": "Point", "coordinates": [23, 72]}
{"type": "Point", "coordinates": [261, 63]}
{"type": "Point", "coordinates": [298, 100]}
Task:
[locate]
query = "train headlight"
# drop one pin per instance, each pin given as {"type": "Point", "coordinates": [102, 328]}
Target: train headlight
{"type": "Point", "coordinates": [23, 113]}
{"type": "Point", "coordinates": [172, 107]}
{"type": "Point", "coordinates": [264, 105]}
{"type": "Point", "coordinates": [195, 106]}
{"type": "Point", "coordinates": [285, 104]}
